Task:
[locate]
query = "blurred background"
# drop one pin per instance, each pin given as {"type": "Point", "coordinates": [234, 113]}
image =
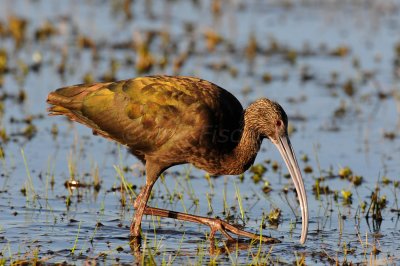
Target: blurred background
{"type": "Point", "coordinates": [334, 66]}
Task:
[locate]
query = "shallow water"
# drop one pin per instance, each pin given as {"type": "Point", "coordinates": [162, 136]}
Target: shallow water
{"type": "Point", "coordinates": [334, 127]}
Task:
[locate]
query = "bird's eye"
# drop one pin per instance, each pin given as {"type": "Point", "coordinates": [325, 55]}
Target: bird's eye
{"type": "Point", "coordinates": [278, 123]}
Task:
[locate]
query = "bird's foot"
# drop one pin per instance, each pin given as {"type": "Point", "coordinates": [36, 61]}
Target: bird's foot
{"type": "Point", "coordinates": [224, 227]}
{"type": "Point", "coordinates": [215, 224]}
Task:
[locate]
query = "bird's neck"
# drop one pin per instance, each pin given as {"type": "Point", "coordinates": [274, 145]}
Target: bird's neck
{"type": "Point", "coordinates": [244, 154]}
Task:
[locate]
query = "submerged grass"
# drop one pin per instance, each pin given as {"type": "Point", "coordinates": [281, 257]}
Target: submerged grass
{"type": "Point", "coordinates": [239, 199]}
{"type": "Point", "coordinates": [125, 186]}
{"type": "Point", "coordinates": [76, 238]}
{"type": "Point", "coordinates": [29, 187]}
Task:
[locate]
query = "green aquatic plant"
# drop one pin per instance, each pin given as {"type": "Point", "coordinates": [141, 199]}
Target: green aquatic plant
{"type": "Point", "coordinates": [258, 171]}
{"type": "Point", "coordinates": [345, 172]}
{"type": "Point", "coordinates": [267, 187]}
{"type": "Point", "coordinates": [347, 196]}
{"type": "Point", "coordinates": [239, 199]}
{"type": "Point", "coordinates": [2, 153]}
{"type": "Point", "coordinates": [76, 238]}
{"type": "Point", "coordinates": [376, 206]}
{"type": "Point", "coordinates": [29, 187]}
{"type": "Point", "coordinates": [274, 216]}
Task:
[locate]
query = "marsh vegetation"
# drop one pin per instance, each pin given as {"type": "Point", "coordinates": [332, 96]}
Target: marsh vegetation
{"type": "Point", "coordinates": [66, 196]}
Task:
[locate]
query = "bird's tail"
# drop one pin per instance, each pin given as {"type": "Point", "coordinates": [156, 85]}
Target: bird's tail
{"type": "Point", "coordinates": [69, 99]}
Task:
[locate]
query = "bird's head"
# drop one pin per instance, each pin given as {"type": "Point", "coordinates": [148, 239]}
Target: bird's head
{"type": "Point", "coordinates": [269, 120]}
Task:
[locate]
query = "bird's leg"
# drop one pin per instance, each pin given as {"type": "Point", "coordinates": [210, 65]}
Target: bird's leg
{"type": "Point", "coordinates": [153, 170]}
{"type": "Point", "coordinates": [139, 206]}
{"type": "Point", "coordinates": [215, 224]}
{"type": "Point", "coordinates": [152, 173]}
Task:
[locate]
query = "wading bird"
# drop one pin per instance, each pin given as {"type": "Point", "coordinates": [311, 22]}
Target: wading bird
{"type": "Point", "coordinates": [166, 121]}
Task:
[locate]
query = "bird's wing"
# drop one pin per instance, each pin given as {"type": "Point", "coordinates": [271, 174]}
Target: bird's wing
{"type": "Point", "coordinates": [196, 105]}
{"type": "Point", "coordinates": [146, 113]}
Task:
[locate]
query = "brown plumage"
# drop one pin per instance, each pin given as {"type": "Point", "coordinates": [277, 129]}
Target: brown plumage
{"type": "Point", "coordinates": [165, 121]}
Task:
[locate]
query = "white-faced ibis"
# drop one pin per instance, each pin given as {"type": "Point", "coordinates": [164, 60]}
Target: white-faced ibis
{"type": "Point", "coordinates": [166, 121]}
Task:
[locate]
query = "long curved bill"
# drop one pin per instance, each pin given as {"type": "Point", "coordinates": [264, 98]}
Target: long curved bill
{"type": "Point", "coordinates": [286, 150]}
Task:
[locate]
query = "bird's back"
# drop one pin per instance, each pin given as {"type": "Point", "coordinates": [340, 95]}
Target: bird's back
{"type": "Point", "coordinates": [171, 119]}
